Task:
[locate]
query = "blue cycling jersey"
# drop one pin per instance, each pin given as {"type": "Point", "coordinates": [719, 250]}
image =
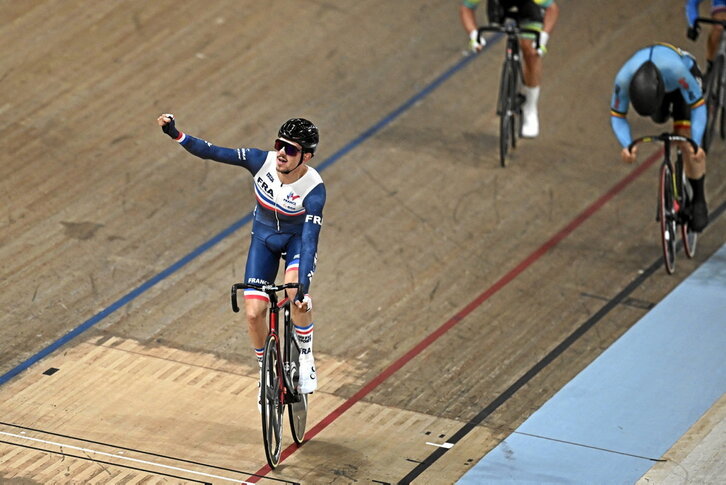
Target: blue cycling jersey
{"type": "Point", "coordinates": [675, 67]}
{"type": "Point", "coordinates": [692, 9]}
{"type": "Point", "coordinates": [287, 217]}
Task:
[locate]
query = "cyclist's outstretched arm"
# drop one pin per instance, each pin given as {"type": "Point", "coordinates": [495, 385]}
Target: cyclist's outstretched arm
{"type": "Point", "coordinates": [250, 158]}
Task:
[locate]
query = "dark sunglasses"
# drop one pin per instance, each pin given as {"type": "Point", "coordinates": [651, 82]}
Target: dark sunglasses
{"type": "Point", "coordinates": [290, 150]}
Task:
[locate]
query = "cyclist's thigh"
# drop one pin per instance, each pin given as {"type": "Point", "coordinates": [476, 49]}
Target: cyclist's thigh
{"type": "Point", "coordinates": [261, 268]}
{"type": "Point", "coordinates": [681, 112]}
{"type": "Point", "coordinates": [529, 16]}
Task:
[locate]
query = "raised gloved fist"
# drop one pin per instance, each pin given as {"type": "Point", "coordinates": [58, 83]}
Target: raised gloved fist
{"type": "Point", "coordinates": [168, 127]}
{"type": "Point", "coordinates": [476, 43]}
{"type": "Point", "coordinates": [544, 37]}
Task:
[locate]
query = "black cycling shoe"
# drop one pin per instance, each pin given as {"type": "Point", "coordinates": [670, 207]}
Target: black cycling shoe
{"type": "Point", "coordinates": [699, 219]}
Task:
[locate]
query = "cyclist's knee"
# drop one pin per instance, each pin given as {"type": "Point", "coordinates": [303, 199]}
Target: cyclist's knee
{"type": "Point", "coordinates": [529, 52]}
{"type": "Point", "coordinates": [255, 311]}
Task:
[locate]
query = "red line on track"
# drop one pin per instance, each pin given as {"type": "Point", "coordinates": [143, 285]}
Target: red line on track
{"type": "Point", "coordinates": [498, 285]}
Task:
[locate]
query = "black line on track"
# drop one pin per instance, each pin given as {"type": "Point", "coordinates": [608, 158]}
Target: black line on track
{"type": "Point", "coordinates": [582, 445]}
{"type": "Point", "coordinates": [86, 458]}
{"type": "Point", "coordinates": [546, 360]}
{"type": "Point", "coordinates": [142, 452]}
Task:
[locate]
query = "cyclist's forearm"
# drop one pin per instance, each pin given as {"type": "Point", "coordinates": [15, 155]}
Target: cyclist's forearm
{"type": "Point", "coordinates": [550, 17]}
{"type": "Point", "coordinates": [692, 11]}
{"type": "Point", "coordinates": [621, 128]}
{"type": "Point", "coordinates": [698, 123]}
{"type": "Point", "coordinates": [468, 18]}
{"type": "Point", "coordinates": [249, 158]}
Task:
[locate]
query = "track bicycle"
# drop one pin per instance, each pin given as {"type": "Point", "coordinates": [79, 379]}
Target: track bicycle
{"type": "Point", "coordinates": [674, 199]}
{"type": "Point", "coordinates": [714, 89]}
{"type": "Point", "coordinates": [280, 373]}
{"type": "Point", "coordinates": [509, 103]}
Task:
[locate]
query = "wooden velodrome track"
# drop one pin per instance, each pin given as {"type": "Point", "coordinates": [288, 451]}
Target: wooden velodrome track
{"type": "Point", "coordinates": [444, 281]}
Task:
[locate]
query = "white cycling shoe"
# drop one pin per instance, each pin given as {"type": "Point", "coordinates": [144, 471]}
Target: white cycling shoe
{"type": "Point", "coordinates": [308, 382]}
{"type": "Point", "coordinates": [530, 123]}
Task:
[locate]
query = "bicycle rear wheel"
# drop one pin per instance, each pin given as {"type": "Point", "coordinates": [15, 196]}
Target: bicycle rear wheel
{"type": "Point", "coordinates": [297, 410]}
{"type": "Point", "coordinates": [506, 107]}
{"type": "Point", "coordinates": [712, 94]}
{"type": "Point", "coordinates": [272, 405]}
{"type": "Point", "coordinates": [666, 218]}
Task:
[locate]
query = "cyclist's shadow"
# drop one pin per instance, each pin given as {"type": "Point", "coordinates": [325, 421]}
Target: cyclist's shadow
{"type": "Point", "coordinates": [484, 143]}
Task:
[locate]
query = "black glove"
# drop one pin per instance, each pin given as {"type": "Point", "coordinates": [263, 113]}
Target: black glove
{"type": "Point", "coordinates": [170, 129]}
{"type": "Point", "coordinates": [301, 292]}
{"type": "Point", "coordinates": [692, 32]}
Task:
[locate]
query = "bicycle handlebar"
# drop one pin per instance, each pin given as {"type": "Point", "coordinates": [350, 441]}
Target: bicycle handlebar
{"type": "Point", "coordinates": [705, 20]}
{"type": "Point", "coordinates": [664, 137]}
{"type": "Point", "coordinates": [510, 29]}
{"type": "Point", "coordinates": [269, 289]}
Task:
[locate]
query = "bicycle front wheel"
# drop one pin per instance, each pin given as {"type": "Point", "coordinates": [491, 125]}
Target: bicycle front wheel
{"type": "Point", "coordinates": [272, 404]}
{"type": "Point", "coordinates": [298, 409]}
{"type": "Point", "coordinates": [666, 217]}
{"type": "Point", "coordinates": [506, 117]}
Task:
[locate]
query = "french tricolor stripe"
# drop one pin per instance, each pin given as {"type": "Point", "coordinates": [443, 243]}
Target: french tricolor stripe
{"type": "Point", "coordinates": [304, 330]}
{"type": "Point", "coordinates": [256, 295]}
{"type": "Point", "coordinates": [268, 204]}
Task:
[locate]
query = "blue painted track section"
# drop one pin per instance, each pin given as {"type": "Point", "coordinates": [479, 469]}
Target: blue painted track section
{"type": "Point", "coordinates": [625, 410]}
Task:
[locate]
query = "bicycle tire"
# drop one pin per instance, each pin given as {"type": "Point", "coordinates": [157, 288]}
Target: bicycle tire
{"type": "Point", "coordinates": [272, 405]}
{"type": "Point", "coordinates": [297, 410]}
{"type": "Point", "coordinates": [713, 96]}
{"type": "Point", "coordinates": [506, 108]}
{"type": "Point", "coordinates": [666, 218]}
{"type": "Point", "coordinates": [689, 238]}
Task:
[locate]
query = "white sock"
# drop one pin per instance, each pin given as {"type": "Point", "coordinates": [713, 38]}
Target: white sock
{"type": "Point", "coordinates": [531, 97]}
{"type": "Point", "coordinates": [305, 339]}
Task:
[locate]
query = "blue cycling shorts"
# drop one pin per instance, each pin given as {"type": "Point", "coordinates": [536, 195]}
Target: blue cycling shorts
{"type": "Point", "coordinates": [267, 248]}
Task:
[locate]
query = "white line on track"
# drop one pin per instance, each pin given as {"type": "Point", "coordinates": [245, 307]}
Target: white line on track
{"type": "Point", "coordinates": [446, 445]}
{"type": "Point", "coordinates": [119, 457]}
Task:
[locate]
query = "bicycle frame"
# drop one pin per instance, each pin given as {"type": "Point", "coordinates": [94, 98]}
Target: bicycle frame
{"type": "Point", "coordinates": [287, 389]}
{"type": "Point", "coordinates": [673, 199]}
{"type": "Point", "coordinates": [276, 374]}
{"type": "Point", "coordinates": [509, 100]}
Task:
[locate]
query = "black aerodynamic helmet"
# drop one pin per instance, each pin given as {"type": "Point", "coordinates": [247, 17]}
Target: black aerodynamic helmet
{"type": "Point", "coordinates": [646, 89]}
{"type": "Point", "coordinates": [300, 131]}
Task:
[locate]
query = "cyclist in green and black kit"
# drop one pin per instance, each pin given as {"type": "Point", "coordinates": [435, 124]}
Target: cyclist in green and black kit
{"type": "Point", "coordinates": [538, 15]}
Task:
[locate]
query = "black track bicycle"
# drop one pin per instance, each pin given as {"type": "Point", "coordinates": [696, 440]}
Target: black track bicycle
{"type": "Point", "coordinates": [714, 88]}
{"type": "Point", "coordinates": [280, 373]}
{"type": "Point", "coordinates": [674, 199]}
{"type": "Point", "coordinates": [509, 103]}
